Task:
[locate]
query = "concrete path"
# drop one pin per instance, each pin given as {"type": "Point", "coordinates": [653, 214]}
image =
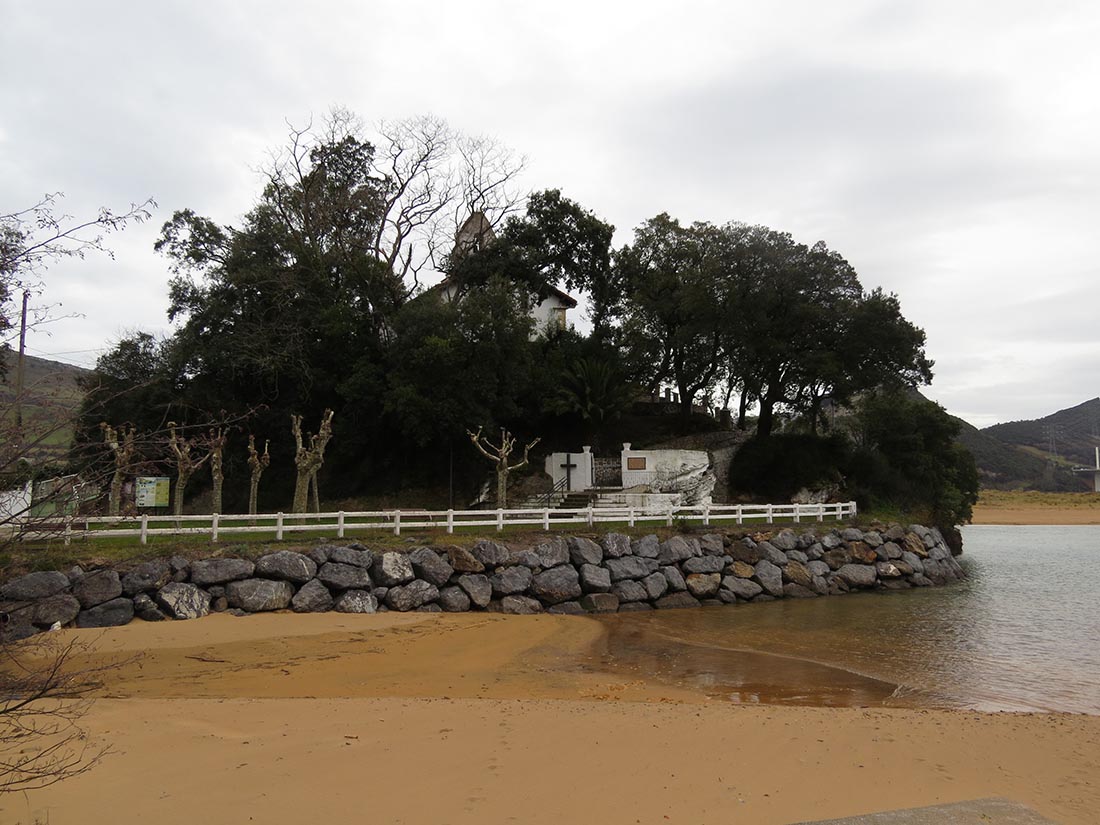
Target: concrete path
{"type": "Point", "coordinates": [974, 812]}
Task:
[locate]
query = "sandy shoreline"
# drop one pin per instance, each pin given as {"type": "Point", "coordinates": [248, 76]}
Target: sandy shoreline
{"type": "Point", "coordinates": [480, 718]}
{"type": "Point", "coordinates": [1035, 515]}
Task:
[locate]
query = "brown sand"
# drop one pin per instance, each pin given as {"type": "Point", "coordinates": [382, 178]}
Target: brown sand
{"type": "Point", "coordinates": [1035, 515]}
{"type": "Point", "coordinates": [476, 718]}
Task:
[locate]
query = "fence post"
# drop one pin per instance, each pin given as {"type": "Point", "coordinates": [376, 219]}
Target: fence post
{"type": "Point", "coordinates": [797, 513]}
{"type": "Point", "coordinates": [214, 528]}
{"type": "Point", "coordinates": [397, 522]}
{"type": "Point", "coordinates": [706, 516]}
{"type": "Point", "coordinates": [631, 520]}
{"type": "Point", "coordinates": [821, 512]}
{"type": "Point", "coordinates": [546, 519]}
{"type": "Point", "coordinates": [500, 519]}
{"type": "Point", "coordinates": [588, 515]}
{"type": "Point", "coordinates": [668, 522]}
{"type": "Point", "coordinates": [450, 521]}
{"type": "Point", "coordinates": [278, 527]}
{"type": "Point", "coordinates": [855, 509]}
{"type": "Point", "coordinates": [740, 515]}
{"type": "Point", "coordinates": [771, 518]}
{"type": "Point", "coordinates": [144, 528]}
{"type": "Point", "coordinates": [340, 524]}
{"type": "Point", "coordinates": [69, 530]}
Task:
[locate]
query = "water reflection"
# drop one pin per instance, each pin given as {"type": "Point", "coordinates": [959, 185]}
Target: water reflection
{"type": "Point", "coordinates": [1020, 634]}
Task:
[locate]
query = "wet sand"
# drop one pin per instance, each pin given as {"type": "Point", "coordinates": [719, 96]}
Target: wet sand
{"type": "Point", "coordinates": [481, 718]}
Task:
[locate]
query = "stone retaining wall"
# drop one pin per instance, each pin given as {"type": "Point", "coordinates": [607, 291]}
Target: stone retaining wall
{"type": "Point", "coordinates": [560, 575]}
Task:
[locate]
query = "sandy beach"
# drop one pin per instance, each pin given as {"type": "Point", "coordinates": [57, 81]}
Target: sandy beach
{"type": "Point", "coordinates": [484, 718]}
{"type": "Point", "coordinates": [1026, 507]}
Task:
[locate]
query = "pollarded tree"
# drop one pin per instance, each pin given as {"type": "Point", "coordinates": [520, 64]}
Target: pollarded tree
{"type": "Point", "coordinates": [186, 460]}
{"type": "Point", "coordinates": [121, 444]}
{"type": "Point", "coordinates": [499, 455]}
{"type": "Point", "coordinates": [309, 457]}
{"type": "Point", "coordinates": [257, 463]}
{"type": "Point", "coordinates": [216, 443]}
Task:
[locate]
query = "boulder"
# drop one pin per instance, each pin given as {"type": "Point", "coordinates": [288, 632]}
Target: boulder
{"type": "Point", "coordinates": [769, 576]}
{"type": "Point", "coordinates": [73, 573]}
{"type": "Point", "coordinates": [319, 554]}
{"type": "Point", "coordinates": [558, 584]}
{"type": "Point", "coordinates": [745, 551]}
{"type": "Point", "coordinates": [393, 569]}
{"type": "Point", "coordinates": [712, 545]}
{"type": "Point", "coordinates": [676, 600]}
{"type": "Point", "coordinates": [595, 579]}
{"type": "Point", "coordinates": [894, 533]}
{"type": "Point", "coordinates": [429, 608]}
{"type": "Point", "coordinates": [477, 587]}
{"type": "Point", "coordinates": [453, 599]}
{"type": "Point", "coordinates": [600, 602]}
{"type": "Point", "coordinates": [146, 577]}
{"type": "Point", "coordinates": [857, 575]}
{"type": "Point", "coordinates": [584, 551]}
{"type": "Point", "coordinates": [491, 553]}
{"type": "Point", "coordinates": [529, 559]}
{"type": "Point", "coordinates": [851, 534]}
{"type": "Point", "coordinates": [552, 553]}
{"type": "Point", "coordinates": [797, 591]}
{"type": "Point", "coordinates": [336, 576]}
{"type": "Point", "coordinates": [463, 561]}
{"type": "Point", "coordinates": [630, 567]}
{"type": "Point", "coordinates": [616, 545]}
{"type": "Point", "coordinates": [837, 558]}
{"type": "Point", "coordinates": [772, 553]}
{"type": "Point", "coordinates": [798, 573]}
{"type": "Point", "coordinates": [817, 567]}
{"type": "Point", "coordinates": [913, 561]}
{"type": "Point", "coordinates": [183, 601]}
{"type": "Point", "coordinates": [704, 564]}
{"type": "Point", "coordinates": [819, 585]}
{"type": "Point", "coordinates": [631, 591]}
{"type": "Point", "coordinates": [313, 597]}
{"type": "Point", "coordinates": [873, 539]}
{"type": "Point", "coordinates": [785, 540]}
{"type": "Point", "coordinates": [656, 585]}
{"type": "Point", "coordinates": [566, 609]}
{"type": "Point", "coordinates": [146, 609]}
{"type": "Point", "coordinates": [356, 601]}
{"type": "Point", "coordinates": [508, 581]}
{"type": "Point", "coordinates": [831, 540]}
{"type": "Point", "coordinates": [914, 545]}
{"type": "Point", "coordinates": [815, 551]}
{"type": "Point", "coordinates": [220, 571]}
{"type": "Point", "coordinates": [742, 570]}
{"type": "Point", "coordinates": [430, 567]}
{"type": "Point", "coordinates": [703, 585]}
{"type": "Point", "coordinates": [355, 556]}
{"type": "Point", "coordinates": [34, 586]}
{"type": "Point", "coordinates": [412, 595]}
{"type": "Point", "coordinates": [742, 588]}
{"type": "Point", "coordinates": [862, 552]}
{"type": "Point", "coordinates": [634, 607]}
{"type": "Point", "coordinates": [676, 549]}
{"type": "Point", "coordinates": [259, 595]}
{"type": "Point", "coordinates": [220, 604]}
{"type": "Point", "coordinates": [287, 566]}
{"type": "Point", "coordinates": [674, 578]}
{"type": "Point", "coordinates": [890, 550]}
{"type": "Point", "coordinates": [96, 588]}
{"type": "Point", "coordinates": [60, 608]}
{"type": "Point", "coordinates": [648, 547]}
{"type": "Point", "coordinates": [888, 570]}
{"type": "Point", "coordinates": [520, 605]}
{"type": "Point", "coordinates": [114, 613]}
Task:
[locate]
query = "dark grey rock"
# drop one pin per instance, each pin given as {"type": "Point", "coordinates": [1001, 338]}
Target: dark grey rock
{"type": "Point", "coordinates": [797, 591]}
{"type": "Point", "coordinates": [429, 608]}
{"type": "Point", "coordinates": [490, 553]}
{"type": "Point", "coordinates": [817, 568]}
{"type": "Point", "coordinates": [595, 579]}
{"type": "Point", "coordinates": [837, 558]}
{"type": "Point", "coordinates": [312, 597]}
{"type": "Point", "coordinates": [34, 586]}
{"type": "Point", "coordinates": [819, 585]}
{"type": "Point", "coordinates": [520, 605]}
{"type": "Point", "coordinates": [711, 544]}
{"type": "Point", "coordinates": [873, 538]}
{"type": "Point", "coordinates": [914, 561]}
{"type": "Point", "coordinates": [288, 566]}
{"type": "Point", "coordinates": [894, 533]}
{"type": "Point", "coordinates": [742, 588]}
{"type": "Point", "coordinates": [770, 577]}
{"type": "Point", "coordinates": [892, 551]}
{"type": "Point", "coordinates": [616, 545]}
{"type": "Point", "coordinates": [566, 609]}
{"type": "Point", "coordinates": [584, 551]}
{"type": "Point", "coordinates": [797, 555]}
{"type": "Point", "coordinates": [453, 599]}
{"type": "Point", "coordinates": [815, 551]}
{"type": "Point", "coordinates": [745, 551]}
{"type": "Point", "coordinates": [356, 601]}
{"type": "Point", "coordinates": [508, 581]}
{"type": "Point", "coordinates": [918, 580]}
{"type": "Point", "coordinates": [146, 577]}
{"type": "Point", "coordinates": [529, 559]}
{"type": "Point", "coordinates": [857, 575]}
{"type": "Point", "coordinates": [336, 576]}
{"type": "Point", "coordinates": [851, 534]}
{"type": "Point", "coordinates": [179, 564]}
{"type": "Point", "coordinates": [704, 564]}
{"type": "Point", "coordinates": [60, 607]}
{"type": "Point", "coordinates": [785, 540]}
{"type": "Point", "coordinates": [676, 600]}
{"type": "Point", "coordinates": [631, 591]}
{"type": "Point", "coordinates": [412, 595]}
{"type": "Point", "coordinates": [703, 585]}
{"type": "Point", "coordinates": [380, 594]}
{"type": "Point", "coordinates": [831, 540]}
{"type": "Point", "coordinates": [146, 609]}
{"type": "Point", "coordinates": [215, 590]}
{"type": "Point", "coordinates": [114, 613]}
{"type": "Point", "coordinates": [75, 572]}
{"type": "Point", "coordinates": [393, 569]}
{"type": "Point", "coordinates": [552, 553]}
{"type": "Point", "coordinates": [630, 567]}
{"type": "Point", "coordinates": [477, 587]}
{"type": "Point", "coordinates": [676, 549]}
{"type": "Point", "coordinates": [463, 561]}
{"type": "Point", "coordinates": [656, 585]}
{"type": "Point", "coordinates": [220, 604]}
{"type": "Point", "coordinates": [319, 554]}
{"type": "Point", "coordinates": [220, 571]}
{"type": "Point", "coordinates": [674, 578]}
{"type": "Point", "coordinates": [600, 602]}
{"type": "Point", "coordinates": [183, 601]}
{"type": "Point", "coordinates": [772, 553]}
{"type": "Point", "coordinates": [259, 595]}
{"type": "Point", "coordinates": [430, 567]}
{"type": "Point", "coordinates": [556, 585]}
{"type": "Point", "coordinates": [648, 547]}
{"type": "Point", "coordinates": [355, 556]}
{"type": "Point", "coordinates": [634, 607]}
{"type": "Point", "coordinates": [96, 588]}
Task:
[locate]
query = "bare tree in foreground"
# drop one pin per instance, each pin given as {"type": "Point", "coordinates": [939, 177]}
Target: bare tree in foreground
{"type": "Point", "coordinates": [257, 463]}
{"type": "Point", "coordinates": [499, 455]}
{"type": "Point", "coordinates": [121, 444]}
{"type": "Point", "coordinates": [187, 462]}
{"type": "Point", "coordinates": [308, 460]}
{"type": "Point", "coordinates": [217, 439]}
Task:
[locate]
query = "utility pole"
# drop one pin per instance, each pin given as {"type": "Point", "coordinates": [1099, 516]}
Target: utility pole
{"type": "Point", "coordinates": [19, 371]}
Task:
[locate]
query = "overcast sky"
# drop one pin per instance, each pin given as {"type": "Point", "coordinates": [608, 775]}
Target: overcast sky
{"type": "Point", "coordinates": [949, 150]}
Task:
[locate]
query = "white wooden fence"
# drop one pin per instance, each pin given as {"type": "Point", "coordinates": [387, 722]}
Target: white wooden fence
{"type": "Point", "coordinates": [340, 524]}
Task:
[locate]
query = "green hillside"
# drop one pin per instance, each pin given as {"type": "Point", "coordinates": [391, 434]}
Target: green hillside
{"type": "Point", "coordinates": [1068, 437]}
{"type": "Point", "coordinates": [51, 398]}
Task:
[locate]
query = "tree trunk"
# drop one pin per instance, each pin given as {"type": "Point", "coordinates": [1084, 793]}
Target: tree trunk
{"type": "Point", "coordinates": [314, 493]}
{"type": "Point", "coordinates": [253, 493]}
{"type": "Point", "coordinates": [219, 478]}
{"type": "Point", "coordinates": [114, 503]}
{"type": "Point", "coordinates": [502, 486]}
{"type": "Point", "coordinates": [767, 418]}
{"type": "Point", "coordinates": [815, 411]}
{"type": "Point", "coordinates": [301, 491]}
{"type": "Point", "coordinates": [742, 409]}
{"type": "Point", "coordinates": [177, 501]}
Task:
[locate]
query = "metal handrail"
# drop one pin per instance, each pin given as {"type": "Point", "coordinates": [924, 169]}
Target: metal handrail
{"type": "Point", "coordinates": [557, 488]}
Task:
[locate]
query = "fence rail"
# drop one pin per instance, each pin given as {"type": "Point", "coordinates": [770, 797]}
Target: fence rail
{"type": "Point", "coordinates": [341, 523]}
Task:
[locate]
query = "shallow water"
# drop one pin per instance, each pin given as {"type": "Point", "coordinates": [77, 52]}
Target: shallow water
{"type": "Point", "coordinates": [1022, 633]}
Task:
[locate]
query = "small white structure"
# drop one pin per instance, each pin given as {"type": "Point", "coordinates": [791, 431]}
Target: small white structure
{"type": "Point", "coordinates": [15, 504]}
{"type": "Point", "coordinates": [571, 472]}
{"type": "Point", "coordinates": [648, 477]}
{"type": "Point", "coordinates": [1094, 470]}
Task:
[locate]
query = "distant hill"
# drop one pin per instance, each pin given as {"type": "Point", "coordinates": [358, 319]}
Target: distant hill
{"type": "Point", "coordinates": [51, 399]}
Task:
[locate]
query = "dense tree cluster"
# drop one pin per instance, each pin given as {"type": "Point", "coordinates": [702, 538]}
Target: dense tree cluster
{"type": "Point", "coordinates": [314, 303]}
